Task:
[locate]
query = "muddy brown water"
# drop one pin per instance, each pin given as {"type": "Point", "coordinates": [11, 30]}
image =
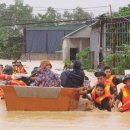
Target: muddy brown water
{"type": "Point", "coordinates": [71, 120]}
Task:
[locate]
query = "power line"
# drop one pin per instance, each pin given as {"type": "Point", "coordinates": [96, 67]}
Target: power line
{"type": "Point", "coordinates": [104, 6]}
{"type": "Point", "coordinates": [64, 9]}
{"type": "Point", "coordinates": [52, 22]}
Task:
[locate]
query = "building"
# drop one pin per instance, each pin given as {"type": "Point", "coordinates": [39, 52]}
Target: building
{"type": "Point", "coordinates": [45, 42]}
{"type": "Point", "coordinates": [84, 37]}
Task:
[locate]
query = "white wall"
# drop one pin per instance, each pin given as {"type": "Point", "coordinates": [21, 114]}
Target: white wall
{"type": "Point", "coordinates": [66, 49]}
{"type": "Point", "coordinates": [84, 33]}
{"type": "Point", "coordinates": [95, 44]}
{"type": "Point", "coordinates": [80, 43]}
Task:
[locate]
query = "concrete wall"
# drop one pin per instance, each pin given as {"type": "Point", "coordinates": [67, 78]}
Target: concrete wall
{"type": "Point", "coordinates": [84, 33]}
{"type": "Point", "coordinates": [95, 44]}
{"type": "Point", "coordinates": [41, 56]}
{"type": "Point", "coordinates": [80, 43]}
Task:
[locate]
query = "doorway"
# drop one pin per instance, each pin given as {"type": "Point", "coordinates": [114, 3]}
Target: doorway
{"type": "Point", "coordinates": [73, 52]}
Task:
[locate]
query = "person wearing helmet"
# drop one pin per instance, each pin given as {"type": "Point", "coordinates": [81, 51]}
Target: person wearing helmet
{"type": "Point", "coordinates": [124, 95]}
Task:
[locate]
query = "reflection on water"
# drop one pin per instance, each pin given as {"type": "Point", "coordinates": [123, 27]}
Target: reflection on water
{"type": "Point", "coordinates": [74, 120]}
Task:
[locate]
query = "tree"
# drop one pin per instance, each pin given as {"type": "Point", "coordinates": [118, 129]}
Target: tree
{"type": "Point", "coordinates": [123, 11]}
{"type": "Point", "coordinates": [79, 13]}
{"type": "Point", "coordinates": [9, 18]}
{"type": "Point", "coordinates": [67, 15]}
{"type": "Point", "coordinates": [50, 16]}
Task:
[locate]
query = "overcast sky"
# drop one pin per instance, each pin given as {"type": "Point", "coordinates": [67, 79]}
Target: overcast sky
{"type": "Point", "coordinates": [69, 4]}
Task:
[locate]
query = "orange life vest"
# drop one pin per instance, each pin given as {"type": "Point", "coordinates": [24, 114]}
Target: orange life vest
{"type": "Point", "coordinates": [20, 70]}
{"type": "Point", "coordinates": [125, 99]}
{"type": "Point", "coordinates": [4, 77]}
{"type": "Point", "coordinates": [126, 94]}
{"type": "Point", "coordinates": [17, 82]}
{"type": "Point", "coordinates": [110, 80]}
{"type": "Point", "coordinates": [105, 95]}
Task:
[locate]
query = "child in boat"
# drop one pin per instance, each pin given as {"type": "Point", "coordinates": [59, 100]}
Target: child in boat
{"type": "Point", "coordinates": [101, 96]}
{"type": "Point", "coordinates": [124, 95]}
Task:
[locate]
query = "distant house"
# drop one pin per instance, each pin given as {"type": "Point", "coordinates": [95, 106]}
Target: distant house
{"type": "Point", "coordinates": [45, 42]}
{"type": "Point", "coordinates": [76, 41]}
{"type": "Point", "coordinates": [102, 37]}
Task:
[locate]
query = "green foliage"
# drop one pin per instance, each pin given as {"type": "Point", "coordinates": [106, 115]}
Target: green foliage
{"type": "Point", "coordinates": [18, 16]}
{"type": "Point", "coordinates": [123, 11]}
{"type": "Point", "coordinates": [122, 59]}
{"type": "Point", "coordinates": [12, 51]}
{"type": "Point", "coordinates": [83, 57]}
{"type": "Point", "coordinates": [67, 64]}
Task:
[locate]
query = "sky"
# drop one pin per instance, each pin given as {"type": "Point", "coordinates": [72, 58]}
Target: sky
{"type": "Point", "coordinates": [95, 6]}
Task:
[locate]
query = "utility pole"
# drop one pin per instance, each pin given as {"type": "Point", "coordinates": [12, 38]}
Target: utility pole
{"type": "Point", "coordinates": [101, 45]}
{"type": "Point", "coordinates": [112, 38]}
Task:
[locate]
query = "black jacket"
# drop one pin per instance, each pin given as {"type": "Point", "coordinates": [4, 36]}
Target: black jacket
{"type": "Point", "coordinates": [72, 79]}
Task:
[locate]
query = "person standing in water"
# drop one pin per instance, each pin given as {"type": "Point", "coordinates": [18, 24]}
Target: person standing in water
{"type": "Point", "coordinates": [112, 79]}
{"type": "Point", "coordinates": [124, 95]}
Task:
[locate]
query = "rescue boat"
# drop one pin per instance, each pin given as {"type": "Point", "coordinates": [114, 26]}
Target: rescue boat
{"type": "Point", "coordinates": [40, 98]}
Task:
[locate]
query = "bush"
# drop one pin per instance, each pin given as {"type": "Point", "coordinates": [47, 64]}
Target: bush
{"type": "Point", "coordinates": [122, 59]}
{"type": "Point", "coordinates": [83, 57]}
{"type": "Point", "coordinates": [67, 64]}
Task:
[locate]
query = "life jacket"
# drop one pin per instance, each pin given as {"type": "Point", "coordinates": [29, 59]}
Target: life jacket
{"type": "Point", "coordinates": [110, 80]}
{"type": "Point", "coordinates": [125, 99]}
{"type": "Point", "coordinates": [101, 98]}
{"type": "Point", "coordinates": [17, 82]}
{"type": "Point", "coordinates": [19, 69]}
{"type": "Point", "coordinates": [126, 94]}
{"type": "Point", "coordinates": [5, 77]}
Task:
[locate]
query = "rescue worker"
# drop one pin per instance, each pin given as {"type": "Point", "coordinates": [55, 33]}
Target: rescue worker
{"type": "Point", "coordinates": [101, 77]}
{"type": "Point", "coordinates": [112, 79]}
{"type": "Point", "coordinates": [124, 95]}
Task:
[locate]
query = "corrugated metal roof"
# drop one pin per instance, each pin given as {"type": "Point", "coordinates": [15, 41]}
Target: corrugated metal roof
{"type": "Point", "coordinates": [59, 27]}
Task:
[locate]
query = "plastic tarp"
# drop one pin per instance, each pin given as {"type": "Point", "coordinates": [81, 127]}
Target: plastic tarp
{"type": "Point", "coordinates": [42, 41]}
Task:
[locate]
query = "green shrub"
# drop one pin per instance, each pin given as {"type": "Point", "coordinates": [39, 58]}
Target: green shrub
{"type": "Point", "coordinates": [83, 57]}
{"type": "Point", "coordinates": [122, 59]}
{"type": "Point", "coordinates": [67, 64]}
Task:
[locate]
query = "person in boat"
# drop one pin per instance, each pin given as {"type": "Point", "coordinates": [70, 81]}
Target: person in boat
{"type": "Point", "coordinates": [9, 78]}
{"type": "Point", "coordinates": [124, 95]}
{"type": "Point", "coordinates": [7, 73]}
{"type": "Point", "coordinates": [14, 64]}
{"type": "Point", "coordinates": [45, 77]}
{"type": "Point", "coordinates": [1, 68]}
{"type": "Point", "coordinates": [112, 79]}
{"type": "Point", "coordinates": [74, 78]}
{"type": "Point", "coordinates": [19, 68]}
{"type": "Point", "coordinates": [101, 96]}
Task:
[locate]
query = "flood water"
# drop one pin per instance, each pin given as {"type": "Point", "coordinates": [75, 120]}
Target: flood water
{"type": "Point", "coordinates": [72, 120]}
